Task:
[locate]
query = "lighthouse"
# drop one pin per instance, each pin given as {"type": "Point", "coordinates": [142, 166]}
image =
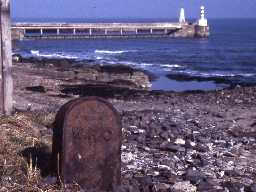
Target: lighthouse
{"type": "Point", "coordinates": [182, 18]}
{"type": "Point", "coordinates": [202, 28]}
{"type": "Point", "coordinates": [202, 21]}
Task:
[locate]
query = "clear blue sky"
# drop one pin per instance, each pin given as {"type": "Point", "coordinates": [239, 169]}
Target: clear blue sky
{"type": "Point", "coordinates": [130, 8]}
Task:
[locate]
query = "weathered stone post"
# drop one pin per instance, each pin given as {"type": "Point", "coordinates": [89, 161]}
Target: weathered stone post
{"type": "Point", "coordinates": [87, 144]}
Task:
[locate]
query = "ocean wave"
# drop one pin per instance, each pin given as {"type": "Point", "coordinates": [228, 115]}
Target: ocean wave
{"type": "Point", "coordinates": [216, 77]}
{"type": "Point", "coordinates": [99, 58]}
{"type": "Point", "coordinates": [129, 63]}
{"type": "Point", "coordinates": [175, 69]}
{"type": "Point", "coordinates": [153, 67]}
{"type": "Point", "coordinates": [113, 52]}
{"type": "Point", "coordinates": [34, 52]}
{"type": "Point", "coordinates": [218, 74]}
{"type": "Point", "coordinates": [226, 75]}
{"type": "Point", "coordinates": [146, 65]}
{"type": "Point", "coordinates": [53, 55]}
{"type": "Point", "coordinates": [113, 61]}
{"type": "Point", "coordinates": [171, 65]}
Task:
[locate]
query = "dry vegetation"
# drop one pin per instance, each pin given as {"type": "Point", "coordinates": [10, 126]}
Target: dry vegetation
{"type": "Point", "coordinates": [24, 155]}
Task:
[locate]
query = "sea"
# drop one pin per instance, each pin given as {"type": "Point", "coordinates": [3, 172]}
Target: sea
{"type": "Point", "coordinates": [227, 57]}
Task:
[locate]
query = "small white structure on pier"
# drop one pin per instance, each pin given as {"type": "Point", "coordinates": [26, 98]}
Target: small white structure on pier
{"type": "Point", "coordinates": [182, 18]}
{"type": "Point", "coordinates": [202, 21]}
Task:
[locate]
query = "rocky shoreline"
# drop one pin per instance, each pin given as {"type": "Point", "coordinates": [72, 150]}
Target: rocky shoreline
{"type": "Point", "coordinates": [188, 141]}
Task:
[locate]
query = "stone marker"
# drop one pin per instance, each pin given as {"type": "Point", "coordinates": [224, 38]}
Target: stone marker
{"type": "Point", "coordinates": [87, 144]}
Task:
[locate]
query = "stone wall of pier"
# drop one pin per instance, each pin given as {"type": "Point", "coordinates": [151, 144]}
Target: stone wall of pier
{"type": "Point", "coordinates": [202, 31]}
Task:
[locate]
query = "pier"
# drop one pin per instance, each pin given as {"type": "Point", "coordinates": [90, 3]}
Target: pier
{"type": "Point", "coordinates": [100, 30]}
{"type": "Point", "coordinates": [21, 31]}
{"type": "Point", "coordinates": [93, 30]}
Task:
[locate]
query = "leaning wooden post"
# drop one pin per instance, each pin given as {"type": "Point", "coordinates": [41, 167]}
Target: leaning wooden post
{"type": "Point", "coordinates": [6, 59]}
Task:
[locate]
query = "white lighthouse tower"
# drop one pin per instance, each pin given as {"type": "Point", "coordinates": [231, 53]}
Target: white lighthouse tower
{"type": "Point", "coordinates": [202, 21]}
{"type": "Point", "coordinates": [182, 18]}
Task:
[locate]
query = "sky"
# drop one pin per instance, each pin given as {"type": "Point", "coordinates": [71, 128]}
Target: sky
{"type": "Point", "coordinates": [131, 8]}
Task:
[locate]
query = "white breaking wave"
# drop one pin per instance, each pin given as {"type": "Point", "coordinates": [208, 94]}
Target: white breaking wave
{"type": "Point", "coordinates": [129, 63]}
{"type": "Point", "coordinates": [34, 52]}
{"type": "Point", "coordinates": [99, 58]}
{"type": "Point", "coordinates": [146, 64]}
{"type": "Point", "coordinates": [152, 67]}
{"type": "Point", "coordinates": [215, 74]}
{"type": "Point", "coordinates": [171, 65]}
{"type": "Point", "coordinates": [105, 58]}
{"type": "Point", "coordinates": [53, 55]}
{"type": "Point", "coordinates": [113, 52]}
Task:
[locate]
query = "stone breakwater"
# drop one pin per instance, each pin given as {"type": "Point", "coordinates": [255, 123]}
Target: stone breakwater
{"type": "Point", "coordinates": [22, 31]}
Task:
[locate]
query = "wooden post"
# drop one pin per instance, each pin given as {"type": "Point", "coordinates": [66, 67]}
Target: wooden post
{"type": "Point", "coordinates": [1, 68]}
{"type": "Point", "coordinates": [6, 95]}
